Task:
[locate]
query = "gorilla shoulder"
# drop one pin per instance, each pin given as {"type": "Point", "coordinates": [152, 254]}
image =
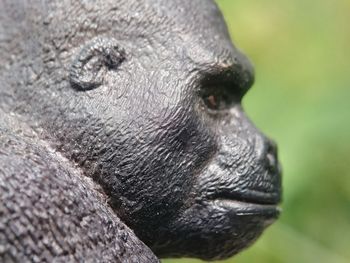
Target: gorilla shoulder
{"type": "Point", "coordinates": [49, 210]}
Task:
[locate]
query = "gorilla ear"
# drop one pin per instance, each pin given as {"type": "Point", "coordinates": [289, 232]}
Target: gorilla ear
{"type": "Point", "coordinates": [95, 59]}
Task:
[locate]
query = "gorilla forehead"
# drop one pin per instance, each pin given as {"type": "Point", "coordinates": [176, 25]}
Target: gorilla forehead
{"type": "Point", "coordinates": [152, 24]}
{"type": "Point", "coordinates": [167, 39]}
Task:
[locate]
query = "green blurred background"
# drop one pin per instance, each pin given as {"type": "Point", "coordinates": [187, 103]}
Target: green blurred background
{"type": "Point", "coordinates": [300, 49]}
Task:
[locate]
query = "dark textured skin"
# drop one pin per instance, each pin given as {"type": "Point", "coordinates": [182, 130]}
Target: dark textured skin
{"type": "Point", "coordinates": [107, 124]}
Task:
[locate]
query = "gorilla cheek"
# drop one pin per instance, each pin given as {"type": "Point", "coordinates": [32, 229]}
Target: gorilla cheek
{"type": "Point", "coordinates": [164, 174]}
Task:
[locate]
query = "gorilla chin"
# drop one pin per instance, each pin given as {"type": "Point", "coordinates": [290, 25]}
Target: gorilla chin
{"type": "Point", "coordinates": [219, 229]}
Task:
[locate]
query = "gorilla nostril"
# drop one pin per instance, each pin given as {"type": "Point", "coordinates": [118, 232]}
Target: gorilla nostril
{"type": "Point", "coordinates": [266, 151]}
{"type": "Point", "coordinates": [272, 147]}
{"type": "Point", "coordinates": [271, 156]}
{"type": "Point", "coordinates": [264, 146]}
{"type": "Point", "coordinates": [271, 162]}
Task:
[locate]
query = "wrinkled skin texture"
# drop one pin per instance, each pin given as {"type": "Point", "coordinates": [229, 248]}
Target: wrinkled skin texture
{"type": "Point", "coordinates": [136, 106]}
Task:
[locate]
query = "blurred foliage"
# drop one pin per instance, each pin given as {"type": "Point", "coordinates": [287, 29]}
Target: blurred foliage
{"type": "Point", "coordinates": [300, 49]}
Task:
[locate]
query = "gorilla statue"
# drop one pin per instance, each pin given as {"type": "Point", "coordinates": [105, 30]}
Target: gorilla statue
{"type": "Point", "coordinates": [122, 135]}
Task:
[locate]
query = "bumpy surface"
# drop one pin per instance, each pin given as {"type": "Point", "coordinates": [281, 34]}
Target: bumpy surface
{"type": "Point", "coordinates": [49, 211]}
{"type": "Point", "coordinates": [127, 112]}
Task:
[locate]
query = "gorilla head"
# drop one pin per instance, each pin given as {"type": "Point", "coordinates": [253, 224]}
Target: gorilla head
{"type": "Point", "coordinates": [145, 98]}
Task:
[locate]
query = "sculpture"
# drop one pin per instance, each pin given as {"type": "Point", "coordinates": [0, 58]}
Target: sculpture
{"type": "Point", "coordinates": [120, 115]}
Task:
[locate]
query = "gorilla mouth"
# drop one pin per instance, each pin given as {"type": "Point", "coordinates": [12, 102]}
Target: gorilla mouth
{"type": "Point", "coordinates": [248, 204]}
{"type": "Point", "coordinates": [254, 197]}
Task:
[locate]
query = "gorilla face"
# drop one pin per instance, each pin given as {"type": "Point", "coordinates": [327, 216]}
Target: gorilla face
{"type": "Point", "coordinates": [150, 108]}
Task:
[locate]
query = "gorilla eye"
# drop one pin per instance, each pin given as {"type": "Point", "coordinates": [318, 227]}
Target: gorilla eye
{"type": "Point", "coordinates": [212, 102]}
{"type": "Point", "coordinates": [217, 99]}
{"type": "Point", "coordinates": [219, 91]}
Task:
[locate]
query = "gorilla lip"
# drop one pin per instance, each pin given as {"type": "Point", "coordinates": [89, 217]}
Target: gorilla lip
{"type": "Point", "coordinates": [250, 204]}
{"type": "Point", "coordinates": [249, 209]}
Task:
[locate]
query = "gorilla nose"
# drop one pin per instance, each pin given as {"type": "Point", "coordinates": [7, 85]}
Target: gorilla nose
{"type": "Point", "coordinates": [267, 152]}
